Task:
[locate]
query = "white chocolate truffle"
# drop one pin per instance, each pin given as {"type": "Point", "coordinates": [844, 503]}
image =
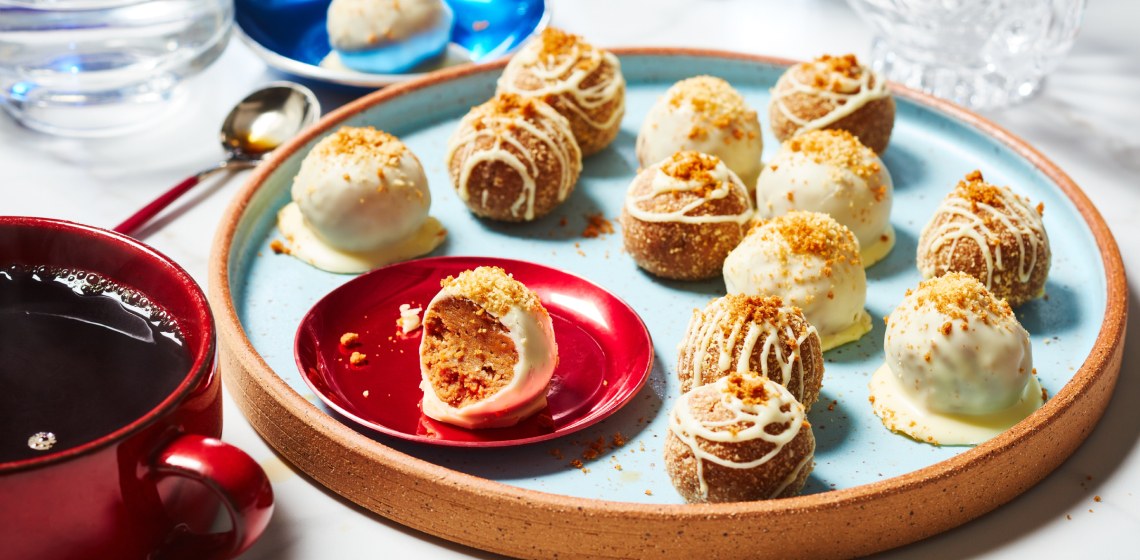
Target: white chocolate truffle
{"type": "Point", "coordinates": [703, 114]}
{"type": "Point", "coordinates": [743, 437]}
{"type": "Point", "coordinates": [830, 171]}
{"type": "Point", "coordinates": [683, 215]}
{"type": "Point", "coordinates": [959, 367]}
{"type": "Point", "coordinates": [582, 82]}
{"type": "Point", "coordinates": [812, 262]}
{"type": "Point", "coordinates": [513, 158]}
{"type": "Point", "coordinates": [385, 36]}
{"type": "Point", "coordinates": [991, 234]}
{"type": "Point", "coordinates": [487, 353]}
{"type": "Point", "coordinates": [360, 201]}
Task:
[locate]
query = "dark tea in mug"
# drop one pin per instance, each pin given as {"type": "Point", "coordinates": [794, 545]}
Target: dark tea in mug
{"type": "Point", "coordinates": [80, 357]}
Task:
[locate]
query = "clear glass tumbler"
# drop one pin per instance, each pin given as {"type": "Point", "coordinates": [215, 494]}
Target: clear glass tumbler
{"type": "Point", "coordinates": [101, 67]}
{"type": "Point", "coordinates": [977, 53]}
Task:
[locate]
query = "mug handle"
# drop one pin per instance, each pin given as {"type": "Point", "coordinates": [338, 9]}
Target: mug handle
{"type": "Point", "coordinates": [239, 483]}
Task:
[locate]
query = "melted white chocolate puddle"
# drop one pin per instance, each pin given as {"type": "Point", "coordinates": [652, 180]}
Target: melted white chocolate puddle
{"type": "Point", "coordinates": [901, 414]}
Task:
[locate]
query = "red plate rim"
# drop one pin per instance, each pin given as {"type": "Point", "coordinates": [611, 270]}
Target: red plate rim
{"type": "Point", "coordinates": [614, 400]}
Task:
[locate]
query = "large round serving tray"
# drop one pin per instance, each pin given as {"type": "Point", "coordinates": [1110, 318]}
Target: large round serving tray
{"type": "Point", "coordinates": [871, 490]}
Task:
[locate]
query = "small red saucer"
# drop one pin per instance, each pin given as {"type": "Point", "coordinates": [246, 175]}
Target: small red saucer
{"type": "Point", "coordinates": [604, 352]}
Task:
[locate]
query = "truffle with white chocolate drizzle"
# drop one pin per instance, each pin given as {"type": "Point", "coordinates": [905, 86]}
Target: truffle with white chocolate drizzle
{"type": "Point", "coordinates": [959, 367]}
{"type": "Point", "coordinates": [513, 158]}
{"type": "Point", "coordinates": [683, 215]}
{"type": "Point", "coordinates": [833, 92]}
{"type": "Point", "coordinates": [991, 234]}
{"type": "Point", "coordinates": [737, 333]}
{"type": "Point", "coordinates": [742, 438]}
{"type": "Point", "coordinates": [582, 82]}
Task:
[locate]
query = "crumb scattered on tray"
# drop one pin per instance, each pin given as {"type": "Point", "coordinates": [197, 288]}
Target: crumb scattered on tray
{"type": "Point", "coordinates": [597, 225]}
{"type": "Point", "coordinates": [349, 339]}
{"type": "Point", "coordinates": [409, 318]}
{"type": "Point", "coordinates": [278, 247]}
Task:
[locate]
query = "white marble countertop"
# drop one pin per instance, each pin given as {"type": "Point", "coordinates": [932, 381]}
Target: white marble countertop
{"type": "Point", "coordinates": [1087, 121]}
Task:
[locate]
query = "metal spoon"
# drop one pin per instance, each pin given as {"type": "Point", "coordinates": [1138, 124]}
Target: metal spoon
{"type": "Point", "coordinates": [256, 126]}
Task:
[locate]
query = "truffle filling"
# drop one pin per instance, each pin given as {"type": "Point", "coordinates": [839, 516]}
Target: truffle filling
{"type": "Point", "coordinates": [468, 353]}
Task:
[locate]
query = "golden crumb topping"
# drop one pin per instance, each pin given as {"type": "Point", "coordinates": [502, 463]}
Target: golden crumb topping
{"type": "Point", "coordinates": [839, 148]}
{"type": "Point", "coordinates": [711, 98]}
{"type": "Point", "coordinates": [749, 388]}
{"type": "Point", "coordinates": [493, 289]}
{"type": "Point", "coordinates": [763, 310]}
{"type": "Point", "coordinates": [844, 65]}
{"type": "Point", "coordinates": [757, 309]}
{"type": "Point", "coordinates": [813, 233]}
{"type": "Point", "coordinates": [833, 73]}
{"type": "Point", "coordinates": [557, 43]}
{"type": "Point", "coordinates": [503, 112]}
{"type": "Point", "coordinates": [976, 190]}
{"type": "Point", "coordinates": [362, 142]}
{"type": "Point", "coordinates": [959, 296]}
{"type": "Point", "coordinates": [694, 168]}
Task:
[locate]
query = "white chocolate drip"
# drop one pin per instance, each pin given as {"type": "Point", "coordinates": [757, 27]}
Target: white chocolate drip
{"type": "Point", "coordinates": [753, 417]}
{"type": "Point", "coordinates": [663, 183]}
{"type": "Point", "coordinates": [564, 75]}
{"type": "Point", "coordinates": [552, 130]}
{"type": "Point", "coordinates": [852, 94]}
{"type": "Point", "coordinates": [1025, 224]}
{"type": "Point", "coordinates": [698, 342]}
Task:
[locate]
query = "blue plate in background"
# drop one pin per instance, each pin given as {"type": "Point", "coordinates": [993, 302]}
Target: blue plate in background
{"type": "Point", "coordinates": [290, 36]}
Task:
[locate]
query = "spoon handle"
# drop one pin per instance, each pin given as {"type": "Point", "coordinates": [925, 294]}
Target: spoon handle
{"type": "Point", "coordinates": [138, 219]}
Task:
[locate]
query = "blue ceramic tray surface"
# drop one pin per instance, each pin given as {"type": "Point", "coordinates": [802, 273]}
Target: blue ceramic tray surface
{"type": "Point", "coordinates": [291, 36]}
{"type": "Point", "coordinates": [928, 154]}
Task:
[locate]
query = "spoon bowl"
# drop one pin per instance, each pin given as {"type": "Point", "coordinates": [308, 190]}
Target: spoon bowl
{"type": "Point", "coordinates": [256, 126]}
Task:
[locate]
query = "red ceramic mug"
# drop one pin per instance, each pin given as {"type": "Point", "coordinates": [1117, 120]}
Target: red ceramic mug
{"type": "Point", "coordinates": [151, 487]}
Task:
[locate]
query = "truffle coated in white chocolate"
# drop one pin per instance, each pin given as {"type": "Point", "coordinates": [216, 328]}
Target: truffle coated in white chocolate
{"type": "Point", "coordinates": [812, 262]}
{"type": "Point", "coordinates": [386, 36]}
{"type": "Point", "coordinates": [703, 114]}
{"type": "Point", "coordinates": [959, 366]}
{"type": "Point", "coordinates": [830, 171]}
{"type": "Point", "coordinates": [360, 200]}
{"type": "Point", "coordinates": [529, 327]}
{"type": "Point", "coordinates": [366, 24]}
